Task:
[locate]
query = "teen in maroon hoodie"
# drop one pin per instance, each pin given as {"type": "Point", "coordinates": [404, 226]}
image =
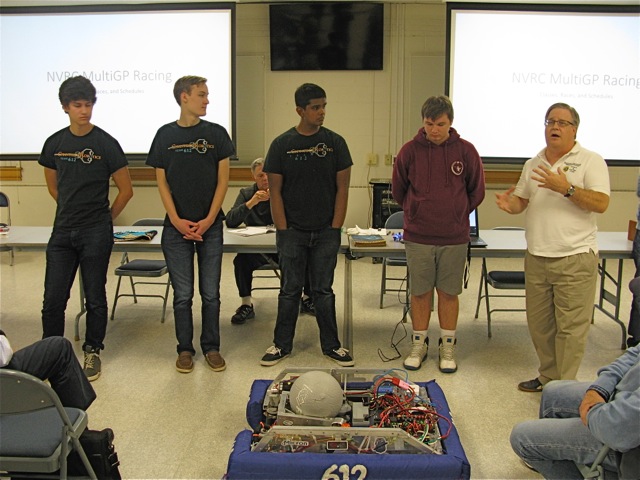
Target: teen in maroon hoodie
{"type": "Point", "coordinates": [438, 180]}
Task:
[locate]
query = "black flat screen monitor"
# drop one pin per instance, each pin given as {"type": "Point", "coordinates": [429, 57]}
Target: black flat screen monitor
{"type": "Point", "coordinates": [326, 36]}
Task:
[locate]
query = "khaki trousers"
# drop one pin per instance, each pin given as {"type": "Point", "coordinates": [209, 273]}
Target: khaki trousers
{"type": "Point", "coordinates": [559, 297]}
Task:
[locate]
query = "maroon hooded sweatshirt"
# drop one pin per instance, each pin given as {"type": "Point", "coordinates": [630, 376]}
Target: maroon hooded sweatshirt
{"type": "Point", "coordinates": [438, 186]}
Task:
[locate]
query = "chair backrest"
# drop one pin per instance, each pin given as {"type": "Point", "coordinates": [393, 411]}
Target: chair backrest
{"type": "Point", "coordinates": [22, 393]}
{"type": "Point", "coordinates": [4, 203]}
{"type": "Point", "coordinates": [39, 431]}
{"type": "Point", "coordinates": [149, 222]}
{"type": "Point", "coordinates": [395, 220]}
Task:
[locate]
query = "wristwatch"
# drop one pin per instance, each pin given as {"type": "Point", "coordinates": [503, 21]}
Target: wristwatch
{"type": "Point", "coordinates": [570, 191]}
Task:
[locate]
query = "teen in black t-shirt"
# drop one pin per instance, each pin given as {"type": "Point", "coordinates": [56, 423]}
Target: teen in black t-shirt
{"type": "Point", "coordinates": [79, 161]}
{"type": "Point", "coordinates": [309, 169]}
{"type": "Point", "coordinates": [191, 160]}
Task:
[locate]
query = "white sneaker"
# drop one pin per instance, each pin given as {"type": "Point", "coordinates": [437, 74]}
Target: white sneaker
{"type": "Point", "coordinates": [417, 355]}
{"type": "Point", "coordinates": [447, 350]}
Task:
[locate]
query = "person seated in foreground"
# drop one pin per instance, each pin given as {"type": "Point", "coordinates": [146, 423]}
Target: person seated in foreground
{"type": "Point", "coordinates": [51, 359]}
{"type": "Point", "coordinates": [253, 208]}
{"type": "Point", "coordinates": [578, 418]}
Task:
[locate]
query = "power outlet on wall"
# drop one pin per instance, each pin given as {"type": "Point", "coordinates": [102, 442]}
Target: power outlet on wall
{"type": "Point", "coordinates": [388, 159]}
{"type": "Point", "coordinates": [372, 159]}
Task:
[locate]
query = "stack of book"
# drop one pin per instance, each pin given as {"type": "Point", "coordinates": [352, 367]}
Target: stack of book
{"type": "Point", "coordinates": [368, 241]}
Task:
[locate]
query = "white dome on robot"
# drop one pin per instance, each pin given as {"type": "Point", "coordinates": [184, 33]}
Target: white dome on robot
{"type": "Point", "coordinates": [316, 394]}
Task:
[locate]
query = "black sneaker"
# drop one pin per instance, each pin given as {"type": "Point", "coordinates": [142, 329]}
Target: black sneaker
{"type": "Point", "coordinates": [341, 357]}
{"type": "Point", "coordinates": [243, 313]}
{"type": "Point", "coordinates": [307, 306]}
{"type": "Point", "coordinates": [92, 365]}
{"type": "Point", "coordinates": [272, 356]}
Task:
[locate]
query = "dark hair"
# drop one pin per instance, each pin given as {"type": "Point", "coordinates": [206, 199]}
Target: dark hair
{"type": "Point", "coordinates": [435, 107]}
{"type": "Point", "coordinates": [307, 92]}
{"type": "Point", "coordinates": [76, 88]}
{"type": "Point", "coordinates": [574, 113]}
{"type": "Point", "coordinates": [185, 84]}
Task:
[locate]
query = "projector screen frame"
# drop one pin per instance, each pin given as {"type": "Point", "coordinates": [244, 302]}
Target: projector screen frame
{"type": "Point", "coordinates": [534, 8]}
{"type": "Point", "coordinates": [136, 158]}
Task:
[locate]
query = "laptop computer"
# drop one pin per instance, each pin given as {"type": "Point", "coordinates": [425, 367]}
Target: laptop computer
{"type": "Point", "coordinates": [474, 231]}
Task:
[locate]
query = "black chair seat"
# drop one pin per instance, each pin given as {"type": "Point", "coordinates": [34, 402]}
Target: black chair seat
{"type": "Point", "coordinates": [144, 268]}
{"type": "Point", "coordinates": [158, 267]}
{"type": "Point", "coordinates": [506, 280]}
{"type": "Point", "coordinates": [396, 261]}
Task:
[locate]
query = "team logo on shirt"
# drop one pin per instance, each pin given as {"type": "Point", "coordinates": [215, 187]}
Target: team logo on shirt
{"type": "Point", "coordinates": [320, 150]}
{"type": "Point", "coordinates": [457, 167]}
{"type": "Point", "coordinates": [571, 167]}
{"type": "Point", "coordinates": [200, 146]}
{"type": "Point", "coordinates": [85, 156]}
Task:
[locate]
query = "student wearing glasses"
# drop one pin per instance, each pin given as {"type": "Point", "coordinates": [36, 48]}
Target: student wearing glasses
{"type": "Point", "coordinates": [561, 189]}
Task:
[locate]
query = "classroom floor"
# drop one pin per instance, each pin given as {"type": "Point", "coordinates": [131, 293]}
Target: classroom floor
{"type": "Point", "coordinates": [173, 425]}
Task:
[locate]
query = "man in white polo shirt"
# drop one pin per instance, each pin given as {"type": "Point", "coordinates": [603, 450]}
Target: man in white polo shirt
{"type": "Point", "coordinates": [561, 189]}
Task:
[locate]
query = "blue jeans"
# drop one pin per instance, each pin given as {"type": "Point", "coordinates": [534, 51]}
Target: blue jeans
{"type": "Point", "coordinates": [318, 251]}
{"type": "Point", "coordinates": [244, 264]}
{"type": "Point", "coordinates": [558, 438]}
{"type": "Point", "coordinates": [178, 254]}
{"type": "Point", "coordinates": [89, 248]}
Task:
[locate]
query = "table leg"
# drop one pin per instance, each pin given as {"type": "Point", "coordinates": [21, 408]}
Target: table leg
{"type": "Point", "coordinates": [347, 321]}
{"type": "Point", "coordinates": [612, 298]}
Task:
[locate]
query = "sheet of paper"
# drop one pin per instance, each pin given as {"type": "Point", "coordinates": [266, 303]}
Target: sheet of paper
{"type": "Point", "coordinates": [250, 231]}
{"type": "Point", "coordinates": [366, 231]}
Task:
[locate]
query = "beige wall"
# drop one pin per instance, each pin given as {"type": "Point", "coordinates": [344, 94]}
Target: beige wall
{"type": "Point", "coordinates": [376, 112]}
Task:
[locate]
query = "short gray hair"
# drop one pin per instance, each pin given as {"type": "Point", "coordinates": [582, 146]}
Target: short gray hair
{"type": "Point", "coordinates": [574, 113]}
{"type": "Point", "coordinates": [256, 163]}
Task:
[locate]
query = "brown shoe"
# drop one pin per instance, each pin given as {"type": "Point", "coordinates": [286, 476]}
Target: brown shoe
{"type": "Point", "coordinates": [184, 363]}
{"type": "Point", "coordinates": [215, 361]}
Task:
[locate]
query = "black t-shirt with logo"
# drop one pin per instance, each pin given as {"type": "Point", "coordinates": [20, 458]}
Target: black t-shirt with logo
{"type": "Point", "coordinates": [83, 166]}
{"type": "Point", "coordinates": [308, 165]}
{"type": "Point", "coordinates": [190, 157]}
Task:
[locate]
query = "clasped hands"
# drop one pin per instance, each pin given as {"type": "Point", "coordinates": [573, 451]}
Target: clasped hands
{"type": "Point", "coordinates": [193, 230]}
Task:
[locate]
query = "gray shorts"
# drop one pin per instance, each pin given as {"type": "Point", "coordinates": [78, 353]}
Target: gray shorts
{"type": "Point", "coordinates": [440, 266]}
